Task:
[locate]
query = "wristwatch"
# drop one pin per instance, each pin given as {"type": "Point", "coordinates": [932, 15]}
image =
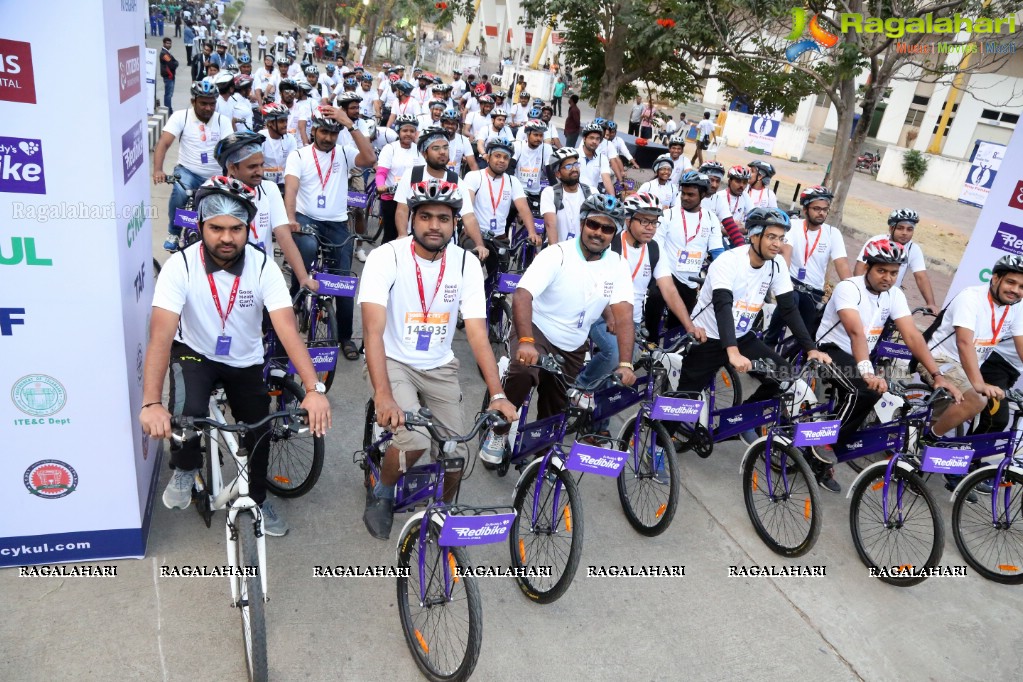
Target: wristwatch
{"type": "Point", "coordinates": [318, 387]}
{"type": "Point", "coordinates": [626, 364]}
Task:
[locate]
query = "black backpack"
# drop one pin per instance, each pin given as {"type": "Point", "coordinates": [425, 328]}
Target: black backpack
{"type": "Point", "coordinates": [559, 197]}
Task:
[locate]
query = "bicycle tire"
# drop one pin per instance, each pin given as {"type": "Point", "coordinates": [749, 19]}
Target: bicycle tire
{"type": "Point", "coordinates": [918, 394]}
{"type": "Point", "coordinates": [367, 444]}
{"type": "Point", "coordinates": [443, 613]}
{"type": "Point", "coordinates": [501, 342]}
{"type": "Point", "coordinates": [373, 212]}
{"type": "Point", "coordinates": [799, 503]}
{"type": "Point", "coordinates": [322, 331]}
{"type": "Point", "coordinates": [523, 538]}
{"type": "Point", "coordinates": [915, 496]}
{"type": "Point", "coordinates": [250, 602]}
{"type": "Point", "coordinates": [637, 482]}
{"type": "Point", "coordinates": [292, 470]}
{"type": "Point", "coordinates": [976, 534]}
{"type": "Point", "coordinates": [727, 388]}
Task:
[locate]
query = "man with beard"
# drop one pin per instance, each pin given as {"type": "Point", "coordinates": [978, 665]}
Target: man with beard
{"type": "Point", "coordinates": [459, 149]}
{"type": "Point", "coordinates": [595, 168]}
{"type": "Point", "coordinates": [530, 161]}
{"type": "Point", "coordinates": [560, 203]}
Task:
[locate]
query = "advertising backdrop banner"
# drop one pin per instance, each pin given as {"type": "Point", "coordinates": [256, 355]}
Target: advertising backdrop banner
{"type": "Point", "coordinates": [986, 163]}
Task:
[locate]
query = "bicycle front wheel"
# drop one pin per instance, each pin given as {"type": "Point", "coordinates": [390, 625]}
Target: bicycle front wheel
{"type": "Point", "coordinates": [324, 332]}
{"type": "Point", "coordinates": [295, 460]}
{"type": "Point", "coordinates": [895, 531]}
{"type": "Point", "coordinates": [444, 633]}
{"type": "Point", "coordinates": [990, 534]}
{"type": "Point", "coordinates": [787, 513]}
{"type": "Point", "coordinates": [649, 485]}
{"type": "Point", "coordinates": [549, 541]}
{"type": "Point", "coordinates": [250, 601]}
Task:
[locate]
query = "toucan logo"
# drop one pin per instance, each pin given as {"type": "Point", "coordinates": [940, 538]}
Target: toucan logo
{"type": "Point", "coordinates": [818, 36]}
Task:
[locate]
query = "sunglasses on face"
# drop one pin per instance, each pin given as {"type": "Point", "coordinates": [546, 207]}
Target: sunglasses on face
{"type": "Point", "coordinates": [600, 227]}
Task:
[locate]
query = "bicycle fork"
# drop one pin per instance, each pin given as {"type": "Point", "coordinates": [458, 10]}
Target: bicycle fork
{"type": "Point", "coordinates": [232, 550]}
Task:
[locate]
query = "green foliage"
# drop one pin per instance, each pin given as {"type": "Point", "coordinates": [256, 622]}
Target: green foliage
{"type": "Point", "coordinates": [232, 12]}
{"type": "Point", "coordinates": [914, 165]}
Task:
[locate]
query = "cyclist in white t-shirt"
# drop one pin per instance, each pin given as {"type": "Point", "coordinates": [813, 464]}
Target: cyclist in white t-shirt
{"type": "Point", "coordinates": [661, 186]}
{"type": "Point", "coordinates": [676, 147]}
{"type": "Point", "coordinates": [394, 162]}
{"type": "Point", "coordinates": [530, 162]}
{"type": "Point", "coordinates": [718, 205]}
{"type": "Point", "coordinates": [560, 203]}
{"type": "Point", "coordinates": [411, 294]}
{"type": "Point", "coordinates": [460, 149]}
{"type": "Point", "coordinates": [737, 202]}
{"type": "Point", "coordinates": [404, 105]}
{"type": "Point", "coordinates": [902, 224]}
{"type": "Point", "coordinates": [594, 166]}
{"type": "Point", "coordinates": [759, 190]}
{"type": "Point", "coordinates": [277, 145]}
{"type": "Point", "coordinates": [497, 130]}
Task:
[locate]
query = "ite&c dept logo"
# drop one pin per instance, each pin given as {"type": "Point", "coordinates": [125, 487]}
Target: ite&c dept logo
{"type": "Point", "coordinates": [39, 395]}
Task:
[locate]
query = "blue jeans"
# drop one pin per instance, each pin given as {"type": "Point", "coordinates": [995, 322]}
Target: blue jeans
{"type": "Point", "coordinates": [177, 198]}
{"type": "Point", "coordinates": [605, 359]}
{"type": "Point", "coordinates": [168, 94]}
{"type": "Point", "coordinates": [334, 231]}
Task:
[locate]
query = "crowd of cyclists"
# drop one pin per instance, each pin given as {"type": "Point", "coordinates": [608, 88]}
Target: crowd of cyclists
{"type": "Point", "coordinates": [459, 167]}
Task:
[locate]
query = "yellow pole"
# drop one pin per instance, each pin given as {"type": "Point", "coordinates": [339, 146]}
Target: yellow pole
{"type": "Point", "coordinates": [468, 26]}
{"type": "Point", "coordinates": [543, 46]}
{"type": "Point", "coordinates": [938, 140]}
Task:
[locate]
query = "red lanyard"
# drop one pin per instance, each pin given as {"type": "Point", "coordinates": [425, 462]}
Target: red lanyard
{"type": "Point", "coordinates": [759, 196]}
{"type": "Point", "coordinates": [324, 180]}
{"type": "Point", "coordinates": [685, 229]}
{"type": "Point", "coordinates": [806, 243]}
{"type": "Point", "coordinates": [729, 202]}
{"type": "Point", "coordinates": [625, 254]}
{"type": "Point", "coordinates": [500, 195]}
{"type": "Point", "coordinates": [238, 279]}
{"type": "Point", "coordinates": [419, 279]}
{"type": "Point", "coordinates": [995, 331]}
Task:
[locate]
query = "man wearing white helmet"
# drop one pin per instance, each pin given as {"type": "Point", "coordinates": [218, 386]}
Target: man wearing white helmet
{"type": "Point", "coordinates": [902, 224]}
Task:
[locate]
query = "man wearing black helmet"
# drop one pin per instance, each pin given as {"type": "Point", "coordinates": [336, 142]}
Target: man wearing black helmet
{"type": "Point", "coordinates": [759, 190]}
{"type": "Point", "coordinates": [408, 333]}
{"type": "Point", "coordinates": [902, 224]}
{"type": "Point", "coordinates": [460, 149]}
{"type": "Point", "coordinates": [404, 104]}
{"type": "Point", "coordinates": [206, 328]}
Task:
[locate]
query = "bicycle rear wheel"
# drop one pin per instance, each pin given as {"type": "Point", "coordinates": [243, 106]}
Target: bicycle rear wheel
{"type": "Point", "coordinates": [322, 331]}
{"type": "Point", "coordinates": [994, 548]}
{"type": "Point", "coordinates": [649, 485]}
{"type": "Point", "coordinates": [295, 460]}
{"type": "Point", "coordinates": [553, 540]}
{"type": "Point", "coordinates": [500, 328]}
{"type": "Point", "coordinates": [917, 394]}
{"type": "Point", "coordinates": [787, 517]}
{"type": "Point", "coordinates": [250, 601]}
{"type": "Point", "coordinates": [727, 388]}
{"type": "Point", "coordinates": [909, 537]}
{"type": "Point", "coordinates": [443, 633]}
{"type": "Point", "coordinates": [374, 221]}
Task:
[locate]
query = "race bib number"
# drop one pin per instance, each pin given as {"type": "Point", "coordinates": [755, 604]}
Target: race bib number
{"type": "Point", "coordinates": [274, 175]}
{"type": "Point", "coordinates": [425, 332]}
{"type": "Point", "coordinates": [744, 313]}
{"type": "Point", "coordinates": [690, 261]}
{"type": "Point", "coordinates": [984, 348]}
{"type": "Point", "coordinates": [873, 334]}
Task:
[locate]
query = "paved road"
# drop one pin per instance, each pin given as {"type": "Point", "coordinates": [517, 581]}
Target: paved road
{"type": "Point", "coordinates": [703, 626]}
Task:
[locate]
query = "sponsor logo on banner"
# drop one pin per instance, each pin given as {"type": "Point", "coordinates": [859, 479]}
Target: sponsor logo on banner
{"type": "Point", "coordinates": [129, 72]}
{"type": "Point", "coordinates": [816, 433]}
{"type": "Point", "coordinates": [23, 250]}
{"type": "Point", "coordinates": [51, 479]}
{"type": "Point", "coordinates": [185, 218]}
{"type": "Point", "coordinates": [676, 409]}
{"type": "Point", "coordinates": [461, 531]}
{"type": "Point", "coordinates": [946, 460]}
{"type": "Point", "coordinates": [591, 459]}
{"type": "Point", "coordinates": [140, 282]}
{"type": "Point", "coordinates": [135, 223]}
{"type": "Point", "coordinates": [139, 364]}
{"type": "Point", "coordinates": [9, 318]}
{"type": "Point", "coordinates": [337, 285]}
{"type": "Point", "coordinates": [39, 395]}
{"type": "Point", "coordinates": [131, 151]}
{"type": "Point", "coordinates": [129, 5]}
{"type": "Point", "coordinates": [1009, 237]}
{"type": "Point", "coordinates": [17, 80]}
{"type": "Point", "coordinates": [1016, 200]}
{"type": "Point", "coordinates": [21, 166]}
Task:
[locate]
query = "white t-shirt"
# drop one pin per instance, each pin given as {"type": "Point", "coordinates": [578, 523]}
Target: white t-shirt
{"type": "Point", "coordinates": [458, 149]}
{"type": "Point", "coordinates": [914, 257]}
{"type": "Point", "coordinates": [973, 309]}
{"type": "Point", "coordinates": [471, 103]}
{"type": "Point", "coordinates": [762, 198]}
{"type": "Point", "coordinates": [570, 293]}
{"type": "Point", "coordinates": [368, 98]}
{"type": "Point", "coordinates": [186, 292]}
{"type": "Point", "coordinates": [686, 240]}
{"type": "Point", "coordinates": [1007, 349]}
{"type": "Point", "coordinates": [398, 161]}
{"type": "Point", "coordinates": [314, 200]}
{"type": "Point", "coordinates": [261, 41]}
{"type": "Point", "coordinates": [638, 260]}
{"type": "Point", "coordinates": [592, 170]}
{"type": "Point", "coordinates": [738, 206]}
{"type": "Point", "coordinates": [409, 107]}
{"type": "Point", "coordinates": [457, 89]}
{"type": "Point", "coordinates": [748, 285]}
{"type": "Point", "coordinates": [502, 191]}
{"type": "Point", "coordinates": [389, 279]}
{"type": "Point", "coordinates": [874, 310]}
{"type": "Point", "coordinates": [243, 111]}
{"type": "Point", "coordinates": [405, 186]}
{"type": "Point", "coordinates": [617, 147]}
{"type": "Point", "coordinates": [489, 133]}
{"type": "Point", "coordinates": [478, 124]}
{"type": "Point", "coordinates": [824, 245]}
{"type": "Point", "coordinates": [384, 137]}
{"type": "Point", "coordinates": [704, 127]}
{"type": "Point", "coordinates": [270, 213]}
{"type": "Point", "coordinates": [667, 193]}
{"type": "Point", "coordinates": [682, 164]}
{"type": "Point", "coordinates": [531, 164]}
{"type": "Point", "coordinates": [262, 79]}
{"type": "Point", "coordinates": [520, 113]}
{"type": "Point", "coordinates": [275, 156]}
{"type": "Point", "coordinates": [422, 96]}
{"type": "Point", "coordinates": [568, 217]}
{"type": "Point", "coordinates": [195, 153]}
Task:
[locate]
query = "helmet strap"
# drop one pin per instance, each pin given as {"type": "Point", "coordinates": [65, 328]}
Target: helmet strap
{"type": "Point", "coordinates": [866, 280]}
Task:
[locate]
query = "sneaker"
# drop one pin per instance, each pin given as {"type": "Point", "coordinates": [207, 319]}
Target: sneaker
{"type": "Point", "coordinates": [749, 436]}
{"type": "Point", "coordinates": [661, 474]}
{"type": "Point", "coordinates": [826, 480]}
{"type": "Point", "coordinates": [379, 516]}
{"type": "Point", "coordinates": [171, 242]}
{"type": "Point", "coordinates": [361, 254]}
{"type": "Point", "coordinates": [273, 524]}
{"type": "Point", "coordinates": [984, 487]}
{"type": "Point", "coordinates": [178, 493]}
{"type": "Point", "coordinates": [583, 400]}
{"type": "Point", "coordinates": [492, 450]}
{"type": "Point", "coordinates": [952, 480]}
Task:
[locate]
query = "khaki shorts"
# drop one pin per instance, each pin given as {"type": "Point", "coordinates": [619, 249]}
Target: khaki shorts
{"type": "Point", "coordinates": [356, 180]}
{"type": "Point", "coordinates": [437, 389]}
{"type": "Point", "coordinates": [952, 371]}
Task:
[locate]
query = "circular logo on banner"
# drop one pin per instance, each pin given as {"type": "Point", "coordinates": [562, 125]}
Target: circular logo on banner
{"type": "Point", "coordinates": [981, 176]}
{"type": "Point", "coordinates": [51, 479]}
{"type": "Point", "coordinates": [39, 395]}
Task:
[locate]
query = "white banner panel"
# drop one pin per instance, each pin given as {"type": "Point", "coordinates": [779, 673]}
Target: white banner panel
{"type": "Point", "coordinates": [986, 163]}
{"type": "Point", "coordinates": [151, 81]}
{"type": "Point", "coordinates": [763, 131]}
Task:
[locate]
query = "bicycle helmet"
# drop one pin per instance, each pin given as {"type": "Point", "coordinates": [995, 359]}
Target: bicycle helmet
{"type": "Point", "coordinates": [696, 179]}
{"type": "Point", "coordinates": [739, 173]}
{"type": "Point", "coordinates": [524, 95]}
{"type": "Point", "coordinates": [283, 61]}
{"type": "Point", "coordinates": [305, 87]}
{"type": "Point", "coordinates": [204, 88]}
{"type": "Point", "coordinates": [287, 84]}
{"type": "Point", "coordinates": [500, 94]}
{"type": "Point", "coordinates": [485, 99]}
{"type": "Point", "coordinates": [537, 103]}
{"type": "Point", "coordinates": [592, 127]}
{"type": "Point", "coordinates": [536, 126]}
{"type": "Point", "coordinates": [714, 169]}
{"type": "Point", "coordinates": [676, 139]}
{"type": "Point", "coordinates": [500, 144]}
{"type": "Point", "coordinates": [559, 155]}
{"type": "Point", "coordinates": [437, 104]}
{"type": "Point", "coordinates": [245, 59]}
{"type": "Point", "coordinates": [600, 120]}
{"type": "Point", "coordinates": [350, 82]}
{"type": "Point", "coordinates": [320, 120]}
{"type": "Point", "coordinates": [429, 135]}
{"type": "Point", "coordinates": [310, 70]}
{"type": "Point", "coordinates": [642, 202]}
{"type": "Point", "coordinates": [242, 81]}
{"type": "Point", "coordinates": [330, 68]}
{"type": "Point", "coordinates": [534, 113]}
{"type": "Point", "coordinates": [892, 253]}
{"type": "Point", "coordinates": [450, 115]}
{"type": "Point", "coordinates": [346, 98]}
{"type": "Point", "coordinates": [766, 169]}
{"type": "Point", "coordinates": [760, 218]}
{"type": "Point", "coordinates": [498, 112]}
{"type": "Point", "coordinates": [392, 79]}
{"type": "Point", "coordinates": [1007, 263]}
{"type": "Point", "coordinates": [815, 193]}
{"type": "Point", "coordinates": [405, 120]}
{"type": "Point", "coordinates": [663, 159]}
{"type": "Point", "coordinates": [223, 81]}
{"type": "Point", "coordinates": [438, 88]}
{"type": "Point", "coordinates": [219, 185]}
{"type": "Point", "coordinates": [234, 142]}
{"type": "Point", "coordinates": [275, 112]}
{"type": "Point", "coordinates": [903, 215]}
{"type": "Point", "coordinates": [434, 191]}
{"type": "Point", "coordinates": [403, 85]}
{"type": "Point", "coordinates": [480, 90]}
{"type": "Point", "coordinates": [367, 77]}
{"type": "Point", "coordinates": [546, 107]}
{"type": "Point", "coordinates": [603, 204]}
{"type": "Point", "coordinates": [610, 125]}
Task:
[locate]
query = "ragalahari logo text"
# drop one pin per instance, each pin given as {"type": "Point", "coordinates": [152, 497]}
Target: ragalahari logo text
{"type": "Point", "coordinates": [17, 80]}
{"type": "Point", "coordinates": [21, 166]}
{"type": "Point", "coordinates": [818, 36]}
{"type": "Point", "coordinates": [51, 479]}
{"type": "Point", "coordinates": [129, 72]}
{"type": "Point", "coordinates": [39, 395]}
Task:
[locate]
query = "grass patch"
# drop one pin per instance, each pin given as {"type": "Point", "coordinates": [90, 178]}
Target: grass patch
{"type": "Point", "coordinates": [232, 12]}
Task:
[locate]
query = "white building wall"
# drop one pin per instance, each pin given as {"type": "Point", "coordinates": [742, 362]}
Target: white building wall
{"type": "Point", "coordinates": [993, 87]}
{"type": "Point", "coordinates": [898, 107]}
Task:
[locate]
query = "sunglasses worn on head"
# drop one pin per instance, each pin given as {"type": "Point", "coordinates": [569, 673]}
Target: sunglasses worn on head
{"type": "Point", "coordinates": [598, 226]}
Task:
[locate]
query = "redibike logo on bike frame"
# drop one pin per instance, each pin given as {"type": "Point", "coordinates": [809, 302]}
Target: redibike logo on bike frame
{"type": "Point", "coordinates": [17, 79]}
{"type": "Point", "coordinates": [129, 72]}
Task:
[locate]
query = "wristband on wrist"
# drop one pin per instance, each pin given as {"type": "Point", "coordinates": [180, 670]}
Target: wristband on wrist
{"type": "Point", "coordinates": [526, 339]}
{"type": "Point", "coordinates": [498, 396]}
{"type": "Point", "coordinates": [864, 367]}
{"type": "Point", "coordinates": [151, 404]}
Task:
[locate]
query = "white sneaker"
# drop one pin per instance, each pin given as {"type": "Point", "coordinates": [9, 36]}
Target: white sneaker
{"type": "Point", "coordinates": [492, 450]}
{"type": "Point", "coordinates": [361, 254]}
{"type": "Point", "coordinates": [178, 493]}
{"type": "Point", "coordinates": [273, 524]}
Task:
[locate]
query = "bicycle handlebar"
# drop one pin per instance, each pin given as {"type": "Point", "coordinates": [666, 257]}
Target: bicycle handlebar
{"type": "Point", "coordinates": [424, 419]}
{"type": "Point", "coordinates": [182, 423]}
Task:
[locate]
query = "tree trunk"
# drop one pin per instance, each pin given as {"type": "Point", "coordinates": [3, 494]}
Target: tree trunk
{"type": "Point", "coordinates": [613, 79]}
{"type": "Point", "coordinates": [375, 21]}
